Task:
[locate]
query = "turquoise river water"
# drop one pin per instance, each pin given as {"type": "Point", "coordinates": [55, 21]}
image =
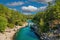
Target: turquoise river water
{"type": "Point", "coordinates": [26, 34]}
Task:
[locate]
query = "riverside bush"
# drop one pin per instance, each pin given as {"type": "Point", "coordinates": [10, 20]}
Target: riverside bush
{"type": "Point", "coordinates": [11, 25]}
{"type": "Point", "coordinates": [3, 23]}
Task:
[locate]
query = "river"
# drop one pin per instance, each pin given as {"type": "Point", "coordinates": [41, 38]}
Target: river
{"type": "Point", "coordinates": [26, 33]}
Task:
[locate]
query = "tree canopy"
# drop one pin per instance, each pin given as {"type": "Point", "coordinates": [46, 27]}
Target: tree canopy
{"type": "Point", "coordinates": [11, 17]}
{"type": "Point", "coordinates": [43, 18]}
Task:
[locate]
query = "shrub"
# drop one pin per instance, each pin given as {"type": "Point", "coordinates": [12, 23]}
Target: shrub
{"type": "Point", "coordinates": [3, 23]}
{"type": "Point", "coordinates": [18, 23]}
{"type": "Point", "coordinates": [11, 25]}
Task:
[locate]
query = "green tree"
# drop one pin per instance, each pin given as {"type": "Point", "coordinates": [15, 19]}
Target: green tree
{"type": "Point", "coordinates": [3, 24]}
{"type": "Point", "coordinates": [13, 17]}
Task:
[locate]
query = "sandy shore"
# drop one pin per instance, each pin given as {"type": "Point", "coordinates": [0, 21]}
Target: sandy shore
{"type": "Point", "coordinates": [9, 33]}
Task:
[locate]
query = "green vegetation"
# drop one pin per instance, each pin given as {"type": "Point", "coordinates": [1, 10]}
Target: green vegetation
{"type": "Point", "coordinates": [3, 23]}
{"type": "Point", "coordinates": [44, 18]}
{"type": "Point", "coordinates": [29, 16]}
{"type": "Point", "coordinates": [10, 18]}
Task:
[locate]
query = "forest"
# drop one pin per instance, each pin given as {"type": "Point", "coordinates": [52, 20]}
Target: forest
{"type": "Point", "coordinates": [46, 18]}
{"type": "Point", "coordinates": [10, 18]}
{"type": "Point", "coordinates": [41, 20]}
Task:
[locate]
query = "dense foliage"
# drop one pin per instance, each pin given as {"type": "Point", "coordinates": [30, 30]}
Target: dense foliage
{"type": "Point", "coordinates": [11, 17]}
{"type": "Point", "coordinates": [3, 23]}
{"type": "Point", "coordinates": [43, 18]}
{"type": "Point", "coordinates": [29, 16]}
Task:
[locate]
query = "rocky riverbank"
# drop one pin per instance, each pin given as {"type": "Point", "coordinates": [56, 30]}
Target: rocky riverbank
{"type": "Point", "coordinates": [9, 33]}
{"type": "Point", "coordinates": [50, 35]}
